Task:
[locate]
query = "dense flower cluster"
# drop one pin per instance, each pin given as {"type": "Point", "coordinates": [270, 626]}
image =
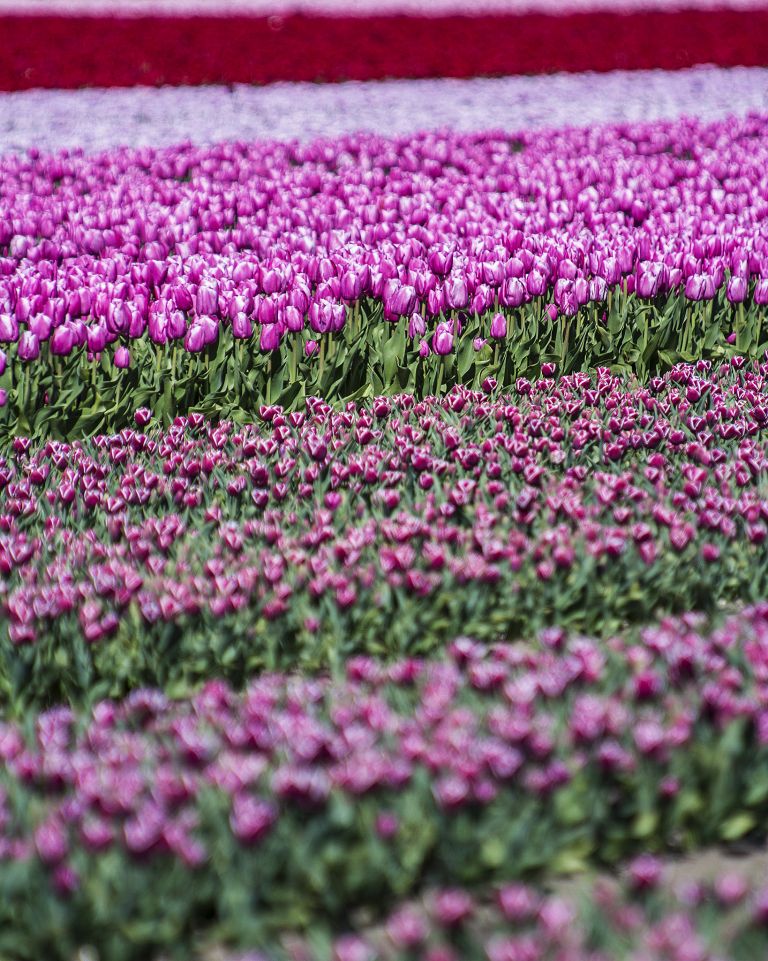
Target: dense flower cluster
{"type": "Point", "coordinates": [155, 117]}
{"type": "Point", "coordinates": [635, 246]}
{"type": "Point", "coordinates": [643, 915]}
{"type": "Point", "coordinates": [215, 549]}
{"type": "Point", "coordinates": [113, 51]}
{"type": "Point", "coordinates": [497, 762]}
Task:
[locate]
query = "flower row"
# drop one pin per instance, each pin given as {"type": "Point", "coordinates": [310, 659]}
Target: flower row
{"type": "Point", "coordinates": [631, 246]}
{"type": "Point", "coordinates": [305, 798]}
{"type": "Point", "coordinates": [642, 914]}
{"type": "Point", "coordinates": [212, 549]}
{"type": "Point", "coordinates": [155, 117]}
{"type": "Point", "coordinates": [114, 51]}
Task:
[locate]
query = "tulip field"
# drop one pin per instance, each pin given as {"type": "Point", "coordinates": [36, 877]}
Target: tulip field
{"type": "Point", "coordinates": [383, 480]}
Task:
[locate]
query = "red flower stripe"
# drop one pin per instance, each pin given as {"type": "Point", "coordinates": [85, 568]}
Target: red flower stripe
{"type": "Point", "coordinates": [74, 51]}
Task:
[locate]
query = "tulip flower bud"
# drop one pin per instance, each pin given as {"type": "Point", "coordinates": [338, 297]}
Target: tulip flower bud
{"type": "Point", "coordinates": [441, 262]}
{"type": "Point", "coordinates": [294, 319]}
{"type": "Point", "coordinates": [442, 339]}
{"type": "Point", "coordinates": [499, 327]}
{"type": "Point", "coordinates": [122, 358]}
{"type": "Point", "coordinates": [736, 290]}
{"type": "Point", "coordinates": [9, 329]}
{"type": "Point", "coordinates": [536, 283]}
{"type": "Point", "coordinates": [3, 362]}
{"type": "Point", "coordinates": [456, 294]}
{"type": "Point", "coordinates": [270, 337]}
{"type": "Point", "coordinates": [513, 292]}
{"type": "Point", "coordinates": [182, 298]}
{"type": "Point", "coordinates": [62, 341]}
{"type": "Point", "coordinates": [760, 295]}
{"type": "Point", "coordinates": [310, 347]}
{"type": "Point", "coordinates": [41, 326]}
{"type": "Point", "coordinates": [195, 339]}
{"type": "Point", "coordinates": [242, 328]}
{"type": "Point", "coordinates": [416, 326]}
{"type": "Point", "coordinates": [207, 300]}
{"type": "Point", "coordinates": [29, 346]}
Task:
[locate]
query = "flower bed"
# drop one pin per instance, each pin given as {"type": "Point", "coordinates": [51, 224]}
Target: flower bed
{"type": "Point", "coordinates": [92, 120]}
{"type": "Point", "coordinates": [366, 265]}
{"type": "Point", "coordinates": [302, 800]}
{"type": "Point", "coordinates": [169, 557]}
{"type": "Point", "coordinates": [114, 51]}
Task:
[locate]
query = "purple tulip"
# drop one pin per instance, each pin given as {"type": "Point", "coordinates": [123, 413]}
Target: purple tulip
{"type": "Point", "coordinates": [206, 302]}
{"type": "Point", "coordinates": [122, 358]}
{"type": "Point", "coordinates": [536, 283]}
{"type": "Point", "coordinates": [9, 329]}
{"type": "Point", "coordinates": [699, 287]}
{"type": "Point", "coordinates": [441, 262]}
{"type": "Point", "coordinates": [442, 339]}
{"type": "Point", "coordinates": [321, 316]}
{"type": "Point", "coordinates": [581, 291]}
{"type": "Point", "coordinates": [182, 298]}
{"type": "Point", "coordinates": [62, 341]}
{"type": "Point", "coordinates": [416, 326]}
{"type": "Point", "coordinates": [310, 347]}
{"type": "Point", "coordinates": [401, 302]}
{"type": "Point", "coordinates": [294, 319]}
{"type": "Point", "coordinates": [352, 285]}
{"type": "Point", "coordinates": [242, 328]}
{"type": "Point", "coordinates": [194, 341]}
{"type": "Point", "coordinates": [158, 328]}
{"type": "Point", "coordinates": [456, 293]}
{"type": "Point", "coordinates": [29, 346]}
{"type": "Point", "coordinates": [760, 295]}
{"type": "Point", "coordinates": [513, 293]}
{"type": "Point", "coordinates": [177, 325]}
{"type": "Point", "coordinates": [736, 291]}
{"type": "Point", "coordinates": [499, 327]}
{"type": "Point", "coordinates": [270, 337]}
{"type": "Point", "coordinates": [41, 326]}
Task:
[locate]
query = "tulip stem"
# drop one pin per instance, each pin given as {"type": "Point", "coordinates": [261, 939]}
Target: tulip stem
{"type": "Point", "coordinates": [294, 358]}
{"type": "Point", "coordinates": [740, 327]}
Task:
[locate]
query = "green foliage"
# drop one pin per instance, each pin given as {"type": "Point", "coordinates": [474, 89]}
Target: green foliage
{"type": "Point", "coordinates": [74, 397]}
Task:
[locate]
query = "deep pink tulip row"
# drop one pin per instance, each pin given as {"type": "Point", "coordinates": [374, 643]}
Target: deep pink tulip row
{"type": "Point", "coordinates": [576, 500]}
{"type": "Point", "coordinates": [492, 763]}
{"type": "Point", "coordinates": [641, 915]}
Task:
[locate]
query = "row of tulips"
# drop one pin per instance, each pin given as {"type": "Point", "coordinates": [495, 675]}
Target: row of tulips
{"type": "Point", "coordinates": [164, 557]}
{"type": "Point", "coordinates": [133, 826]}
{"type": "Point", "coordinates": [159, 116]}
{"type": "Point", "coordinates": [359, 265]}
{"type": "Point", "coordinates": [122, 51]}
{"type": "Point", "coordinates": [643, 914]}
